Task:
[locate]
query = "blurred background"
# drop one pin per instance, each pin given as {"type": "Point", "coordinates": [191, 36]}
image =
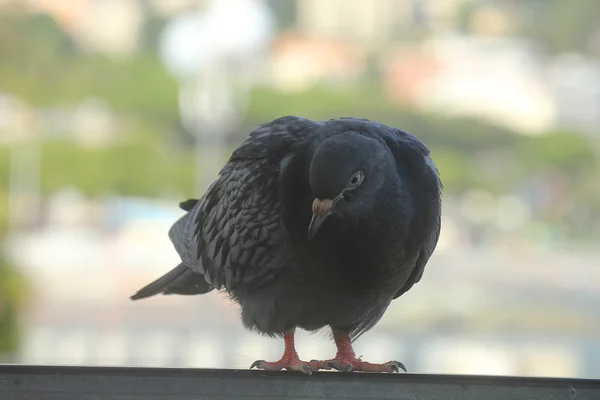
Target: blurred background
{"type": "Point", "coordinates": [113, 111]}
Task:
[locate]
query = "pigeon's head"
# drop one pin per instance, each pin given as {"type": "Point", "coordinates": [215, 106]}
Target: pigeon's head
{"type": "Point", "coordinates": [346, 173]}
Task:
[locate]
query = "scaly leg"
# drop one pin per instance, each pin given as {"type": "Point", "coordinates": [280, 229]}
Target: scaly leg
{"type": "Point", "coordinates": [289, 360]}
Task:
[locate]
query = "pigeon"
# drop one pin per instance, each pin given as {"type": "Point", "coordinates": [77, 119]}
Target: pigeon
{"type": "Point", "coordinates": [312, 224]}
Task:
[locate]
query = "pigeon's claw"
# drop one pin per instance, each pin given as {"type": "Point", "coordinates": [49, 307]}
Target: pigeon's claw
{"type": "Point", "coordinates": [351, 364]}
{"type": "Point", "coordinates": [390, 366]}
{"type": "Point", "coordinates": [289, 365]}
{"type": "Point", "coordinates": [317, 365]}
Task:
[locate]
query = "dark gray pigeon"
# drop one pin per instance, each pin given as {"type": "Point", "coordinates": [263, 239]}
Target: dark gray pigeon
{"type": "Point", "coordinates": [312, 224]}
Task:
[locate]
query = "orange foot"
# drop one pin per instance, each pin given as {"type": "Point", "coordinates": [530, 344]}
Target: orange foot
{"type": "Point", "coordinates": [289, 360]}
{"type": "Point", "coordinates": [346, 361]}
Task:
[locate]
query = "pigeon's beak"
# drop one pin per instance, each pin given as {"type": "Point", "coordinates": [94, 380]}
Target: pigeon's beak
{"type": "Point", "coordinates": [321, 209]}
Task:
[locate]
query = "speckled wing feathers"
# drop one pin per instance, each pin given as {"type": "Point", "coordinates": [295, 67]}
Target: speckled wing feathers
{"type": "Point", "coordinates": [239, 231]}
{"type": "Point", "coordinates": [234, 234]}
{"type": "Point", "coordinates": [182, 236]}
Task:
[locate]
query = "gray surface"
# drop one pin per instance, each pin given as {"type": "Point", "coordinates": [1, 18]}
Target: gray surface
{"type": "Point", "coordinates": [82, 383]}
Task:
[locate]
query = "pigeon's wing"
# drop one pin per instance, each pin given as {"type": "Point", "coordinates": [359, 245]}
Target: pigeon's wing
{"type": "Point", "coordinates": [234, 234]}
{"type": "Point", "coordinates": [422, 259]}
{"type": "Point", "coordinates": [182, 232]}
{"type": "Point", "coordinates": [414, 162]}
{"type": "Point", "coordinates": [414, 277]}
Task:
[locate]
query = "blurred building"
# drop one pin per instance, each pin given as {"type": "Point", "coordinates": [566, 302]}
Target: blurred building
{"type": "Point", "coordinates": [497, 79]}
{"type": "Point", "coordinates": [301, 62]}
{"type": "Point", "coordinates": [353, 19]}
{"type": "Point", "coordinates": [375, 23]}
{"type": "Point", "coordinates": [575, 82]}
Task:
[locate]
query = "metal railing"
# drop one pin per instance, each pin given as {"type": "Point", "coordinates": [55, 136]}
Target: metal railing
{"type": "Point", "coordinates": [20, 382]}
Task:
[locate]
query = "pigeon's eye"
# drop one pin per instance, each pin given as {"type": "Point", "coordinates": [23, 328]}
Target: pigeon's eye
{"type": "Point", "coordinates": [356, 179]}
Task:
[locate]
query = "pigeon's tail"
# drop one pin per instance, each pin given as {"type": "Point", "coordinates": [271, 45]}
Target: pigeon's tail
{"type": "Point", "coordinates": [180, 280]}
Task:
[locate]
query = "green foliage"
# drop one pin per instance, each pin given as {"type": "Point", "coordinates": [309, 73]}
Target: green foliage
{"type": "Point", "coordinates": [468, 153]}
{"type": "Point", "coordinates": [569, 152]}
{"type": "Point", "coordinates": [41, 64]}
{"type": "Point", "coordinates": [130, 168]}
{"type": "Point", "coordinates": [285, 11]}
{"type": "Point", "coordinates": [25, 35]}
{"type": "Point", "coordinates": [139, 86]}
{"type": "Point", "coordinates": [12, 299]}
{"type": "Point", "coordinates": [34, 53]}
{"type": "Point", "coordinates": [563, 26]}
